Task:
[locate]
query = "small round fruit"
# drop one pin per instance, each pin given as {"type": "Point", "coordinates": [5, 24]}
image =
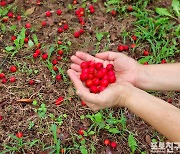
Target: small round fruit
{"type": "Point", "coordinates": [120, 48]}
{"type": "Point", "coordinates": [104, 83]}
{"type": "Point", "coordinates": [2, 75]}
{"type": "Point", "coordinates": [112, 79]}
{"type": "Point", "coordinates": [91, 70]}
{"type": "Point", "coordinates": [58, 77]}
{"type": "Point", "coordinates": [26, 40]}
{"type": "Point", "coordinates": [84, 76]}
{"type": "Point", "coordinates": [107, 142]}
{"type": "Point", "coordinates": [54, 62]}
{"type": "Point", "coordinates": [43, 23]}
{"type": "Point", "coordinates": [94, 89]}
{"type": "Point", "coordinates": [84, 65]}
{"type": "Point", "coordinates": [60, 30]}
{"type": "Point", "coordinates": [13, 68]}
{"type": "Point", "coordinates": [113, 145]}
{"type": "Point", "coordinates": [98, 65]}
{"type": "Point", "coordinates": [110, 67]}
{"type": "Point", "coordinates": [19, 135]}
{"type": "Point", "coordinates": [38, 51]}
{"type": "Point", "coordinates": [10, 15]}
{"type": "Point", "coordinates": [96, 81]}
{"type": "Point", "coordinates": [18, 17]}
{"type": "Point", "coordinates": [4, 80]}
{"type": "Point", "coordinates": [58, 58]}
{"type": "Point", "coordinates": [134, 37]}
{"type": "Point", "coordinates": [60, 52]}
{"type": "Point", "coordinates": [90, 76]}
{"type": "Point", "coordinates": [59, 100]}
{"type": "Point", "coordinates": [81, 31]}
{"type": "Point", "coordinates": [58, 12]}
{"type": "Point", "coordinates": [48, 14]}
{"type": "Point", "coordinates": [110, 73]}
{"type": "Point", "coordinates": [31, 82]}
{"type": "Point", "coordinates": [65, 26]}
{"type": "Point", "coordinates": [126, 48]}
{"type": "Point", "coordinates": [163, 61]}
{"type": "Point", "coordinates": [35, 55]}
{"type": "Point", "coordinates": [28, 25]}
{"type": "Point", "coordinates": [44, 56]}
{"type": "Point", "coordinates": [113, 13]}
{"type": "Point", "coordinates": [1, 118]}
{"type": "Point", "coordinates": [100, 74]}
{"type": "Point", "coordinates": [89, 83]}
{"type": "Point", "coordinates": [101, 88]}
{"type": "Point", "coordinates": [85, 70]}
{"type": "Point", "coordinates": [55, 68]}
{"type": "Point", "coordinates": [12, 79]}
{"type": "Point", "coordinates": [13, 38]}
{"type": "Point", "coordinates": [81, 132]}
{"type": "Point", "coordinates": [145, 53]}
{"type": "Point", "coordinates": [77, 34]}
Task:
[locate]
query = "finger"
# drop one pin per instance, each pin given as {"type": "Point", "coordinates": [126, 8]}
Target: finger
{"type": "Point", "coordinates": [76, 81]}
{"type": "Point", "coordinates": [76, 67]}
{"type": "Point", "coordinates": [86, 57]}
{"type": "Point", "coordinates": [76, 60]}
{"type": "Point", "coordinates": [107, 55]}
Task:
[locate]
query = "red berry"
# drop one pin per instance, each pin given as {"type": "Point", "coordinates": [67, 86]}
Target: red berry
{"type": "Point", "coordinates": [12, 79]}
{"type": "Point", "coordinates": [4, 80]}
{"type": "Point", "coordinates": [130, 8]}
{"type": "Point", "coordinates": [145, 63]}
{"type": "Point", "coordinates": [18, 17]}
{"type": "Point", "coordinates": [100, 74]}
{"type": "Point", "coordinates": [81, 132]}
{"type": "Point", "coordinates": [110, 67]}
{"type": "Point", "coordinates": [58, 77]}
{"type": "Point", "coordinates": [59, 42]}
{"type": "Point", "coordinates": [84, 76]}
{"type": "Point", "coordinates": [96, 82]}
{"type": "Point", "coordinates": [106, 77]}
{"type": "Point", "coordinates": [81, 31]}
{"type": "Point", "coordinates": [76, 34]}
{"type": "Point", "coordinates": [113, 13]}
{"type": "Point", "coordinates": [58, 58]}
{"type": "Point", "coordinates": [85, 70]}
{"type": "Point", "coordinates": [54, 62]}
{"type": "Point", "coordinates": [84, 65]}
{"type": "Point", "coordinates": [113, 145]}
{"type": "Point", "coordinates": [26, 40]}
{"type": "Point", "coordinates": [145, 53]}
{"type": "Point", "coordinates": [110, 73]}
{"type": "Point", "coordinates": [101, 88]}
{"type": "Point", "coordinates": [104, 83]}
{"type": "Point", "coordinates": [92, 11]}
{"type": "Point", "coordinates": [59, 100]}
{"type": "Point", "coordinates": [44, 56]}
{"type": "Point", "coordinates": [13, 68]}
{"type": "Point", "coordinates": [126, 48]}
{"type": "Point", "coordinates": [31, 82]}
{"type": "Point", "coordinates": [91, 8]}
{"type": "Point", "coordinates": [5, 19]}
{"type": "Point", "coordinates": [94, 89]}
{"type": "Point", "coordinates": [3, 3]}
{"type": "Point", "coordinates": [35, 55]}
{"type": "Point", "coordinates": [28, 25]}
{"type": "Point", "coordinates": [19, 135]}
{"type": "Point", "coordinates": [89, 83]}
{"type": "Point", "coordinates": [169, 100]}
{"type": "Point", "coordinates": [90, 76]}
{"type": "Point", "coordinates": [10, 15]}
{"type": "Point", "coordinates": [65, 26]}
{"type": "Point", "coordinates": [48, 14]}
{"type": "Point", "coordinates": [59, 12]}
{"type": "Point", "coordinates": [107, 142]}
{"type": "Point", "coordinates": [38, 2]}
{"type": "Point", "coordinates": [91, 64]}
{"type": "Point", "coordinates": [38, 45]}
{"type": "Point", "coordinates": [38, 51]}
{"type": "Point", "coordinates": [13, 38]}
{"type": "Point", "coordinates": [163, 61]}
{"type": "Point", "coordinates": [112, 79]}
{"type": "Point", "coordinates": [43, 23]}
{"type": "Point", "coordinates": [83, 103]}
{"type": "Point", "coordinates": [2, 75]}
{"type": "Point", "coordinates": [55, 68]}
{"type": "Point", "coordinates": [91, 70]}
{"type": "Point", "coordinates": [60, 30]}
{"type": "Point", "coordinates": [121, 48]}
{"type": "Point", "coordinates": [1, 118]}
{"type": "Point", "coordinates": [60, 52]}
{"type": "Point", "coordinates": [98, 65]}
{"type": "Point", "coordinates": [134, 37]}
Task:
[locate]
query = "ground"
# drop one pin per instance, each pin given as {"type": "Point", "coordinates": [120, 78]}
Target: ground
{"type": "Point", "coordinates": [37, 116]}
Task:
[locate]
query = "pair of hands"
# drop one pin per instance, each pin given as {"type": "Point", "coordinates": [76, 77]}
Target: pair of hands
{"type": "Point", "coordinates": [116, 94]}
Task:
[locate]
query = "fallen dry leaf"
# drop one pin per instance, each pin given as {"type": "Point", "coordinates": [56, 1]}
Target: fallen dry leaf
{"type": "Point", "coordinates": [148, 139]}
{"type": "Point", "coordinates": [24, 100]}
{"type": "Point", "coordinates": [29, 11]}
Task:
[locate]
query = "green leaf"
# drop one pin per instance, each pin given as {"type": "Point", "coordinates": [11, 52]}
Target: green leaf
{"type": "Point", "coordinates": [22, 37]}
{"type": "Point", "coordinates": [163, 12]}
{"type": "Point", "coordinates": [30, 43]}
{"type": "Point", "coordinates": [10, 48]}
{"type": "Point", "coordinates": [13, 27]}
{"type": "Point", "coordinates": [50, 51]}
{"type": "Point", "coordinates": [114, 130]}
{"type": "Point", "coordinates": [99, 36]}
{"type": "Point", "coordinates": [144, 59]}
{"type": "Point", "coordinates": [33, 143]}
{"type": "Point", "coordinates": [91, 133]}
{"type": "Point", "coordinates": [83, 149]}
{"type": "Point", "coordinates": [98, 117]}
{"type": "Point", "coordinates": [35, 39]}
{"type": "Point", "coordinates": [176, 7]}
{"type": "Point", "coordinates": [132, 143]}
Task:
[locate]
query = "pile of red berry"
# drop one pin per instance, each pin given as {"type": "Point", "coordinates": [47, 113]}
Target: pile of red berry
{"type": "Point", "coordinates": [96, 77]}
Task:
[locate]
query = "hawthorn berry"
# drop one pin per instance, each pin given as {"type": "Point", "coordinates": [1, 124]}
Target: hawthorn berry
{"type": "Point", "coordinates": [104, 83]}
{"type": "Point", "coordinates": [2, 75]}
{"type": "Point", "coordinates": [13, 69]}
{"type": "Point", "coordinates": [112, 79]}
{"type": "Point", "coordinates": [130, 8]}
{"type": "Point", "coordinates": [35, 55]}
{"type": "Point", "coordinates": [91, 8]}
{"type": "Point", "coordinates": [3, 3]}
{"type": "Point", "coordinates": [59, 12]}
{"type": "Point", "coordinates": [163, 61]}
{"type": "Point", "coordinates": [26, 40]}
{"type": "Point", "coordinates": [60, 30]}
{"type": "Point", "coordinates": [101, 88]}
{"type": "Point", "coordinates": [83, 103]}
{"type": "Point", "coordinates": [31, 82]}
{"type": "Point", "coordinates": [4, 80]}
{"type": "Point", "coordinates": [145, 53]}
{"type": "Point", "coordinates": [89, 83]}
{"type": "Point", "coordinates": [18, 17]}
{"type": "Point", "coordinates": [83, 76]}
{"type": "Point", "coordinates": [28, 25]}
{"type": "Point", "coordinates": [54, 62]}
{"type": "Point", "coordinates": [43, 23]}
{"type": "Point", "coordinates": [145, 63]}
{"type": "Point", "coordinates": [10, 15]}
{"type": "Point", "coordinates": [58, 77]}
{"type": "Point", "coordinates": [19, 135]}
{"type": "Point", "coordinates": [65, 26]}
{"type": "Point", "coordinates": [84, 65]}
{"type": "Point", "coordinates": [12, 79]}
{"type": "Point", "coordinates": [109, 67]}
{"type": "Point", "coordinates": [13, 38]}
{"type": "Point", "coordinates": [59, 100]}
{"type": "Point", "coordinates": [134, 37]}
{"type": "Point", "coordinates": [113, 145]}
{"type": "Point", "coordinates": [81, 131]}
{"type": "Point", "coordinates": [107, 142]}
{"type": "Point", "coordinates": [55, 68]}
{"type": "Point", "coordinates": [121, 48]}
{"type": "Point", "coordinates": [94, 89]}
{"type": "Point", "coordinates": [126, 48]}
{"type": "Point", "coordinates": [77, 34]}
{"type": "Point", "coordinates": [38, 51]}
{"type": "Point", "coordinates": [59, 42]}
{"type": "Point", "coordinates": [113, 13]}
{"type": "Point", "coordinates": [58, 58]}
{"type": "Point", "coordinates": [48, 14]}
{"type": "Point", "coordinates": [60, 52]}
{"type": "Point", "coordinates": [81, 31]}
{"type": "Point", "coordinates": [5, 19]}
{"type": "Point", "coordinates": [44, 56]}
{"type": "Point", "coordinates": [1, 118]}
{"type": "Point", "coordinates": [98, 65]}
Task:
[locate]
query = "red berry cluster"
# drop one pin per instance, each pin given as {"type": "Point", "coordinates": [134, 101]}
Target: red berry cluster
{"type": "Point", "coordinates": [112, 144]}
{"type": "Point", "coordinates": [123, 48]}
{"type": "Point", "coordinates": [63, 28]}
{"type": "Point", "coordinates": [9, 14]}
{"type": "Point", "coordinates": [91, 9]}
{"type": "Point", "coordinates": [95, 77]}
{"type": "Point", "coordinates": [80, 13]}
{"type": "Point", "coordinates": [78, 33]}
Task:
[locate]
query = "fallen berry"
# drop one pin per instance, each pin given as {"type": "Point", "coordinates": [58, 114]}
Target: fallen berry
{"type": "Point", "coordinates": [81, 31]}
{"type": "Point", "coordinates": [18, 17]}
{"type": "Point", "coordinates": [4, 80]}
{"type": "Point", "coordinates": [59, 100]}
{"type": "Point", "coordinates": [13, 68]}
{"type": "Point", "coordinates": [59, 42]}
{"type": "Point", "coordinates": [5, 19]}
{"type": "Point", "coordinates": [58, 58]}
{"type": "Point", "coordinates": [19, 135]}
{"type": "Point", "coordinates": [28, 25]}
{"type": "Point", "coordinates": [43, 23]}
{"type": "Point", "coordinates": [58, 77]}
{"type": "Point", "coordinates": [113, 13]}
{"type": "Point", "coordinates": [38, 51]}
{"type": "Point", "coordinates": [83, 103]}
{"type": "Point", "coordinates": [145, 63]}
{"type": "Point", "coordinates": [1, 118]}
{"type": "Point", "coordinates": [10, 15]}
{"type": "Point", "coordinates": [65, 26]}
{"type": "Point", "coordinates": [44, 56]}
{"type": "Point", "coordinates": [130, 8]}
{"type": "Point", "coordinates": [58, 12]}
{"type": "Point", "coordinates": [3, 3]}
{"type": "Point", "coordinates": [35, 55]}
{"type": "Point", "coordinates": [163, 61]}
{"type": "Point", "coordinates": [133, 46]}
{"type": "Point", "coordinates": [77, 34]}
{"type": "Point", "coordinates": [12, 79]}
{"type": "Point", "coordinates": [134, 37]}
{"type": "Point", "coordinates": [107, 142]}
{"type": "Point", "coordinates": [81, 132]}
{"type": "Point", "coordinates": [60, 30]}
{"type": "Point", "coordinates": [31, 82]}
{"type": "Point", "coordinates": [145, 53]}
{"type": "Point", "coordinates": [13, 38]}
{"type": "Point", "coordinates": [91, 8]}
{"type": "Point", "coordinates": [60, 52]}
{"type": "Point", "coordinates": [2, 75]}
{"type": "Point", "coordinates": [26, 40]}
{"type": "Point", "coordinates": [48, 14]}
{"type": "Point", "coordinates": [121, 48]}
{"type": "Point", "coordinates": [55, 68]}
{"type": "Point", "coordinates": [54, 62]}
{"type": "Point", "coordinates": [113, 145]}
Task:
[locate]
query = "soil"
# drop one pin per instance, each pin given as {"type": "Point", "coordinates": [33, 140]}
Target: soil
{"type": "Point", "coordinates": [16, 115]}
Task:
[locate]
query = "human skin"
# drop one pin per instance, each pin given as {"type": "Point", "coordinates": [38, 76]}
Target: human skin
{"type": "Point", "coordinates": [161, 115]}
